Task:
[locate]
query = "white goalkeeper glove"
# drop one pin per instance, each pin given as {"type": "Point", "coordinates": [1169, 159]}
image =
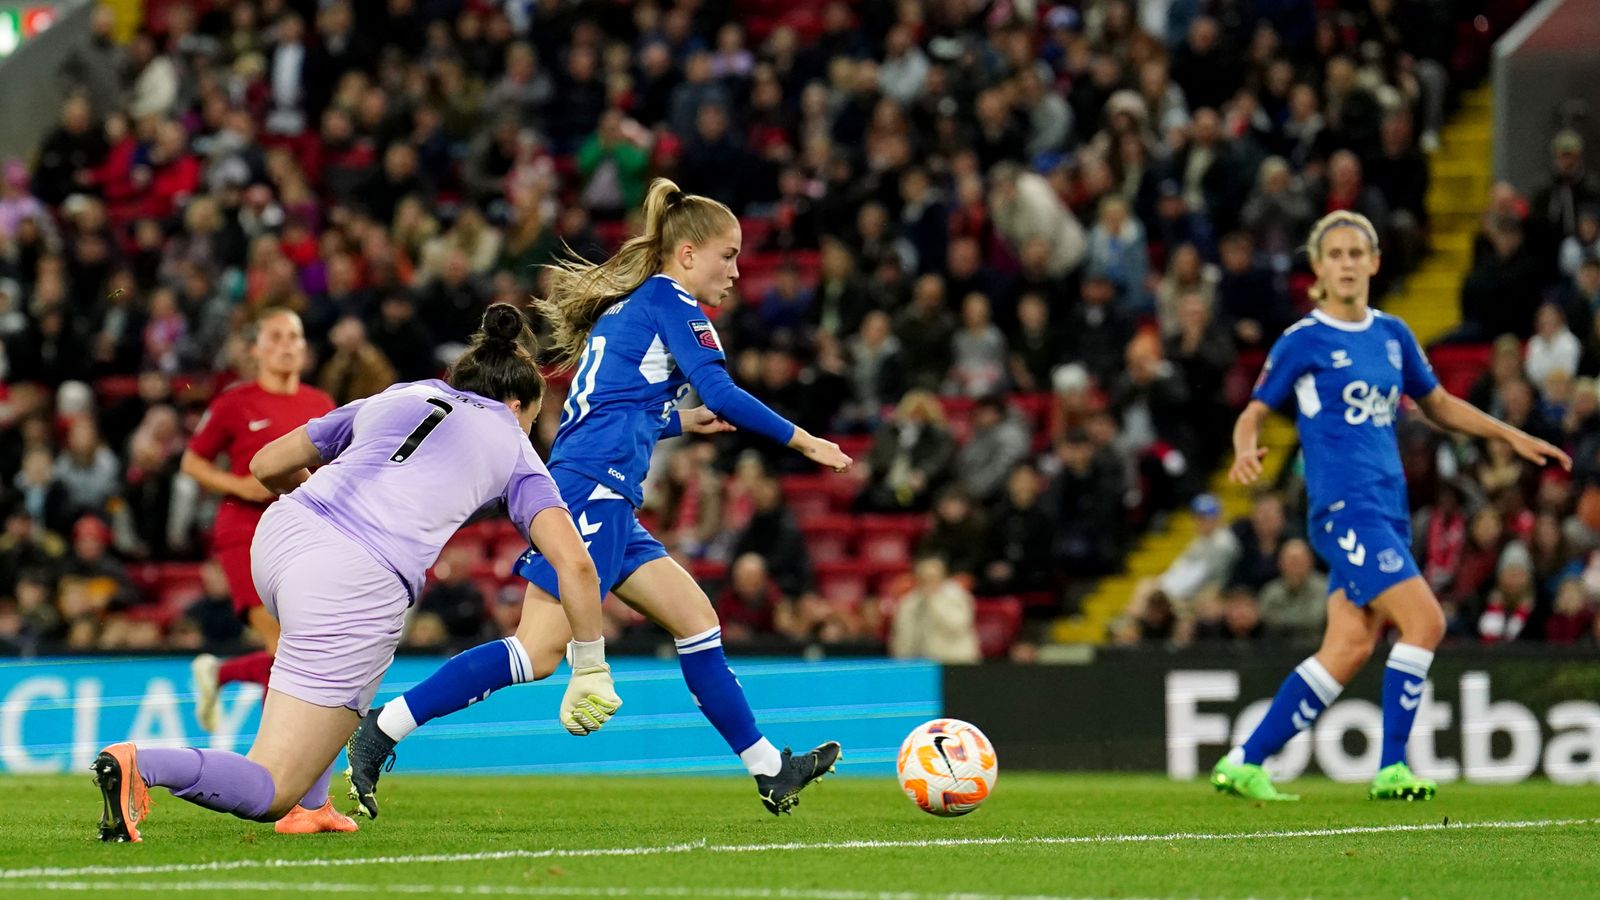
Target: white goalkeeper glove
{"type": "Point", "coordinates": [591, 698]}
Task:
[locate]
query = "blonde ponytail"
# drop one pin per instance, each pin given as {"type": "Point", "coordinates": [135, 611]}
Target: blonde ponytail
{"type": "Point", "coordinates": [580, 290]}
{"type": "Point", "coordinates": [1338, 219]}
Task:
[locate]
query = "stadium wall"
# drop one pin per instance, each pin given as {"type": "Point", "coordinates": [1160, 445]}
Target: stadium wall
{"type": "Point", "coordinates": [1488, 717]}
{"type": "Point", "coordinates": [55, 714]}
{"type": "Point", "coordinates": [31, 103]}
{"type": "Point", "coordinates": [1546, 77]}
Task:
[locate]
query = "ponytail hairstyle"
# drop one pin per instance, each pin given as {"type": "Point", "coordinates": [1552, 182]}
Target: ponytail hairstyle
{"type": "Point", "coordinates": [1337, 219]}
{"type": "Point", "coordinates": [580, 291]}
{"type": "Point", "coordinates": [499, 363]}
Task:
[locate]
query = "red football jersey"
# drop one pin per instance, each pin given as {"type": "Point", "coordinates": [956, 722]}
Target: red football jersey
{"type": "Point", "coordinates": [240, 421]}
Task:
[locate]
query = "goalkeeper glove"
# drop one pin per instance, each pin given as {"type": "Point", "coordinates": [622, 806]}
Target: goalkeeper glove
{"type": "Point", "coordinates": [591, 698]}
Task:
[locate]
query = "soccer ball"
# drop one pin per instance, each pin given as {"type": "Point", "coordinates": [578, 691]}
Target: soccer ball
{"type": "Point", "coordinates": [947, 767]}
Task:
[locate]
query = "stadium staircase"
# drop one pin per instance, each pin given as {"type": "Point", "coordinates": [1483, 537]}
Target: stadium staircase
{"type": "Point", "coordinates": [1429, 301]}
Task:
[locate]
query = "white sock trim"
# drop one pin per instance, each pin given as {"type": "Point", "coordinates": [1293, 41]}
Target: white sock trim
{"type": "Point", "coordinates": [521, 665]}
{"type": "Point", "coordinates": [395, 719]}
{"type": "Point", "coordinates": [1410, 659]}
{"type": "Point", "coordinates": [1323, 684]}
{"type": "Point", "coordinates": [705, 640]}
{"type": "Point", "coordinates": [761, 758]}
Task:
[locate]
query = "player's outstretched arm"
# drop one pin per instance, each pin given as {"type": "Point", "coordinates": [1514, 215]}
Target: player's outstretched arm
{"type": "Point", "coordinates": [1246, 455]}
{"type": "Point", "coordinates": [591, 696]}
{"type": "Point", "coordinates": [283, 464]}
{"type": "Point", "coordinates": [1449, 411]}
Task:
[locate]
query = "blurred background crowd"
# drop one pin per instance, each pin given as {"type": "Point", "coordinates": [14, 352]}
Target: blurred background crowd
{"type": "Point", "coordinates": [1022, 259]}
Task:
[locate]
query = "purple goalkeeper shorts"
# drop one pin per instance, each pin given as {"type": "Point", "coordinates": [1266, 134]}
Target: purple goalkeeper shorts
{"type": "Point", "coordinates": [341, 611]}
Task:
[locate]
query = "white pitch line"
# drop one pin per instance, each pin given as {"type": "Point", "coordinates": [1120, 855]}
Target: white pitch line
{"type": "Point", "coordinates": [324, 887]}
{"type": "Point", "coordinates": [703, 847]}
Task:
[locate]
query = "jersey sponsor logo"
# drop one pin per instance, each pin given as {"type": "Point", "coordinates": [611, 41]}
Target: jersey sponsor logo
{"type": "Point", "coordinates": [1390, 561]}
{"type": "Point", "coordinates": [1341, 358]}
{"type": "Point", "coordinates": [1369, 402]}
{"type": "Point", "coordinates": [617, 475]}
{"type": "Point", "coordinates": [705, 334]}
{"type": "Point", "coordinates": [259, 424]}
{"type": "Point", "coordinates": [1393, 348]}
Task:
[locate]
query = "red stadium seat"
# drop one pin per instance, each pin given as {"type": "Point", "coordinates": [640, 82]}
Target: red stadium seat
{"type": "Point", "coordinates": [997, 621]}
{"type": "Point", "coordinates": [886, 541]}
{"type": "Point", "coordinates": [708, 571]}
{"type": "Point", "coordinates": [828, 537]}
{"type": "Point", "coordinates": [1460, 365]}
{"type": "Point", "coordinates": [807, 496]}
{"type": "Point", "coordinates": [846, 581]}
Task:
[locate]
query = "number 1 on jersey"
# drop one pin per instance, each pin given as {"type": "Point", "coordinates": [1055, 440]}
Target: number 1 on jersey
{"type": "Point", "coordinates": [423, 429]}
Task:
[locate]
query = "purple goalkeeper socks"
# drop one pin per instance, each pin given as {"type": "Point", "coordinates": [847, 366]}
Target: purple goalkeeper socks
{"type": "Point", "coordinates": [219, 780]}
{"type": "Point", "coordinates": [317, 796]}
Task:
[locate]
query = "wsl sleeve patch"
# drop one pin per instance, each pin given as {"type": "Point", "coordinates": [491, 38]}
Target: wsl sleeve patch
{"type": "Point", "coordinates": [705, 334]}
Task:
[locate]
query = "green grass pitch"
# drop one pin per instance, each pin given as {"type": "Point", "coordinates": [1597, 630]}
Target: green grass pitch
{"type": "Point", "coordinates": [851, 839]}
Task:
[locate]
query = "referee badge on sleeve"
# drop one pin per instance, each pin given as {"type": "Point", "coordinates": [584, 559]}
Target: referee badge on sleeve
{"type": "Point", "coordinates": [705, 334]}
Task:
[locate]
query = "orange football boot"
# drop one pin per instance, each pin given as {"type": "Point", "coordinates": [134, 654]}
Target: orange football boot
{"type": "Point", "coordinates": [315, 821]}
{"type": "Point", "coordinates": [127, 800]}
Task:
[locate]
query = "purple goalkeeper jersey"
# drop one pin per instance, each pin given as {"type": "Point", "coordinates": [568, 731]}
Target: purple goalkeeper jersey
{"type": "Point", "coordinates": [407, 467]}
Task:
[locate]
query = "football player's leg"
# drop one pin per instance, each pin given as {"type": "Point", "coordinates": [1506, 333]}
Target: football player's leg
{"type": "Point", "coordinates": [297, 742]}
{"type": "Point", "coordinates": [662, 591]}
{"type": "Point", "coordinates": [1414, 610]}
{"type": "Point", "coordinates": [211, 673]}
{"type": "Point", "coordinates": [1346, 643]}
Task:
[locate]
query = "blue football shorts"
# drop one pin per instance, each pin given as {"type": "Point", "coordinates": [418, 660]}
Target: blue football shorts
{"type": "Point", "coordinates": [617, 542]}
{"type": "Point", "coordinates": [1367, 551]}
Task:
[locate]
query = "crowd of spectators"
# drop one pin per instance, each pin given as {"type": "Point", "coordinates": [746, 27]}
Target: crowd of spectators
{"type": "Point", "coordinates": [1066, 220]}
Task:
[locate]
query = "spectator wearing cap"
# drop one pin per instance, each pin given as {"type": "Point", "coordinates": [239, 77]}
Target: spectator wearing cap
{"type": "Point", "coordinates": [104, 576]}
{"type": "Point", "coordinates": [1201, 569]}
{"type": "Point", "coordinates": [1173, 224]}
{"type": "Point", "coordinates": [1571, 186]}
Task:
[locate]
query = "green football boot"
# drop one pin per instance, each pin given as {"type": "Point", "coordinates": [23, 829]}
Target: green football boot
{"type": "Point", "coordinates": [1398, 782]}
{"type": "Point", "coordinates": [1245, 780]}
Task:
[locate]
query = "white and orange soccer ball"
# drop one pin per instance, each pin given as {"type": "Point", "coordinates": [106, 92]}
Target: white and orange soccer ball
{"type": "Point", "coordinates": [947, 767]}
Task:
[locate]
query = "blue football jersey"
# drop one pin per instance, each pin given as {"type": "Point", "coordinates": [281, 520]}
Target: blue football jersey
{"type": "Point", "coordinates": [1347, 378]}
{"type": "Point", "coordinates": [635, 369]}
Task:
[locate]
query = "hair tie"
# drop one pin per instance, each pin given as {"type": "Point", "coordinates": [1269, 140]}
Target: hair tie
{"type": "Point", "coordinates": [674, 198]}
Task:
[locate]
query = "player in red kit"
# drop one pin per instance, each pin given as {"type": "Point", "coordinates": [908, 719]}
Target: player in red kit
{"type": "Point", "coordinates": [240, 421]}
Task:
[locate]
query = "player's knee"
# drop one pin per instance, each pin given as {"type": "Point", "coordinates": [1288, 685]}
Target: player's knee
{"type": "Point", "coordinates": [1343, 659]}
{"type": "Point", "coordinates": [1425, 630]}
{"type": "Point", "coordinates": [545, 662]}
